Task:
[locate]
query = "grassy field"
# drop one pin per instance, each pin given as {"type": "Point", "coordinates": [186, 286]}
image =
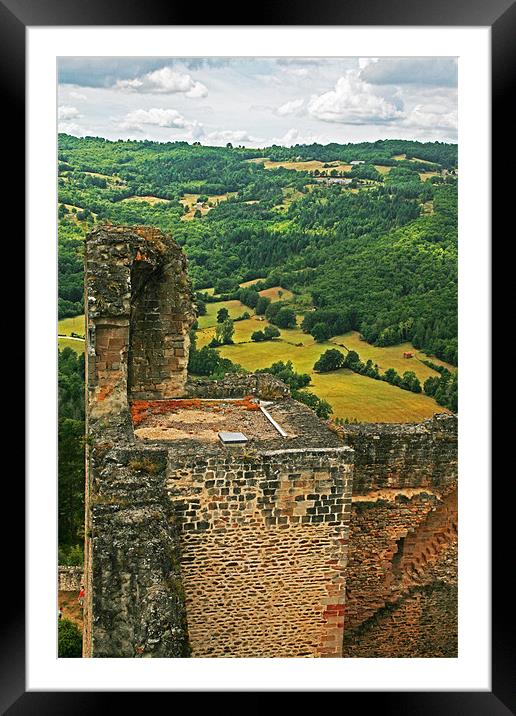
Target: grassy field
{"type": "Point", "coordinates": [351, 395]}
{"type": "Point", "coordinates": [245, 284]}
{"type": "Point", "coordinates": [422, 161]}
{"type": "Point", "coordinates": [383, 170]}
{"type": "Point", "coordinates": [424, 176]}
{"type": "Point", "coordinates": [357, 397]}
{"type": "Point", "coordinates": [74, 344]}
{"type": "Point", "coordinates": [276, 293]}
{"type": "Point", "coordinates": [66, 327]}
{"type": "Point", "coordinates": [308, 166]}
{"type": "Point", "coordinates": [272, 293]}
{"type": "Point", "coordinates": [190, 201]}
{"type": "Point", "coordinates": [113, 180]}
{"type": "Point", "coordinates": [389, 357]}
{"type": "Point", "coordinates": [147, 199]}
{"type": "Point", "coordinates": [235, 309]}
{"type": "Point", "coordinates": [289, 196]}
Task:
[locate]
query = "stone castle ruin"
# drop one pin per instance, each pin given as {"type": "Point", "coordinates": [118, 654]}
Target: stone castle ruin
{"type": "Point", "coordinates": [223, 518]}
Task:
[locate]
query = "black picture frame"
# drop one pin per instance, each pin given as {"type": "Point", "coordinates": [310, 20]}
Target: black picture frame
{"type": "Point", "coordinates": [500, 16]}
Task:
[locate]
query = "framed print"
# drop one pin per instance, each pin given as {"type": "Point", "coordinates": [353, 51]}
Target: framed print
{"type": "Point", "coordinates": [256, 273]}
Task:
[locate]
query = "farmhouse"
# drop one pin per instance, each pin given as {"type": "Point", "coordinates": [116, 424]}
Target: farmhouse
{"type": "Point", "coordinates": [334, 180]}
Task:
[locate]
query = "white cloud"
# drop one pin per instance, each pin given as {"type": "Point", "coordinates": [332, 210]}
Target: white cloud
{"type": "Point", "coordinates": [365, 61]}
{"type": "Point", "coordinates": [222, 137]}
{"type": "Point", "coordinates": [72, 128]}
{"type": "Point", "coordinates": [77, 96]}
{"type": "Point", "coordinates": [157, 117]}
{"type": "Point", "coordinates": [296, 71]}
{"type": "Point", "coordinates": [437, 71]}
{"type": "Point", "coordinates": [291, 137]}
{"type": "Point", "coordinates": [354, 101]}
{"type": "Point", "coordinates": [435, 117]}
{"type": "Point", "coordinates": [165, 81]}
{"type": "Point", "coordinates": [294, 136]}
{"type": "Point", "coordinates": [294, 106]}
{"type": "Point", "coordinates": [66, 112]}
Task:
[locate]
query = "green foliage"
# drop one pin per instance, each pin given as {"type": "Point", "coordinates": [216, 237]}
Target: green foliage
{"type": "Point", "coordinates": [297, 381]}
{"type": "Point", "coordinates": [371, 254]}
{"type": "Point", "coordinates": [222, 315]}
{"type": "Point", "coordinates": [286, 373]}
{"type": "Point", "coordinates": [71, 555]}
{"type": "Point", "coordinates": [207, 362]}
{"type": "Point", "coordinates": [271, 332]}
{"type": "Point", "coordinates": [224, 333]}
{"type": "Point", "coordinates": [444, 389]}
{"type": "Point", "coordinates": [331, 359]}
{"type": "Point", "coordinates": [379, 152]}
{"type": "Point", "coordinates": [334, 322]}
{"type": "Point", "coordinates": [268, 334]}
{"type": "Point", "coordinates": [70, 241]}
{"type": "Point", "coordinates": [262, 305]}
{"type": "Point", "coordinates": [284, 318]}
{"type": "Point", "coordinates": [71, 428]}
{"type": "Point", "coordinates": [69, 640]}
{"type": "Point", "coordinates": [249, 296]}
{"type": "Point", "coordinates": [201, 305]}
{"type": "Point", "coordinates": [410, 381]}
{"type": "Point", "coordinates": [320, 407]}
{"type": "Point", "coordinates": [431, 384]}
{"type": "Point", "coordinates": [352, 359]}
{"type": "Point", "coordinates": [366, 172]}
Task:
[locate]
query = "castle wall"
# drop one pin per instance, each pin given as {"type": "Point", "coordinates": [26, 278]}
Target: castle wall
{"type": "Point", "coordinates": [69, 578]}
{"type": "Point", "coordinates": [137, 599]}
{"type": "Point", "coordinates": [264, 550]}
{"type": "Point", "coordinates": [320, 544]}
{"type": "Point", "coordinates": [402, 568]}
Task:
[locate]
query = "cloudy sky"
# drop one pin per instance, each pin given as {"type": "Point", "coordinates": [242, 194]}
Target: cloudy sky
{"type": "Point", "coordinates": [259, 101]}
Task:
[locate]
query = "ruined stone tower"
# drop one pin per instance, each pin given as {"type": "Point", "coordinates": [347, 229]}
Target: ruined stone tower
{"type": "Point", "coordinates": [138, 313]}
{"type": "Point", "coordinates": [196, 544]}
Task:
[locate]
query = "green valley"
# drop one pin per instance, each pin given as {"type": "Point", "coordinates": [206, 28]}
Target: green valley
{"type": "Point", "coordinates": [348, 247]}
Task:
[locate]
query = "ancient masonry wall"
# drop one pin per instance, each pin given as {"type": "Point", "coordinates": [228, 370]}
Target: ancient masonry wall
{"type": "Point", "coordinates": [264, 551]}
{"type": "Point", "coordinates": [139, 308]}
{"type": "Point", "coordinates": [401, 595]}
{"type": "Point", "coordinates": [69, 578]}
{"type": "Point", "coordinates": [137, 606]}
{"type": "Point", "coordinates": [138, 313]}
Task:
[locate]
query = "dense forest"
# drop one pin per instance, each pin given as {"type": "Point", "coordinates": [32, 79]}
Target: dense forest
{"type": "Point", "coordinates": [70, 456]}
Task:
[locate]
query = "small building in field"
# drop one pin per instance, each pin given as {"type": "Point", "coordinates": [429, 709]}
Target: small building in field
{"type": "Point", "coordinates": [408, 354]}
